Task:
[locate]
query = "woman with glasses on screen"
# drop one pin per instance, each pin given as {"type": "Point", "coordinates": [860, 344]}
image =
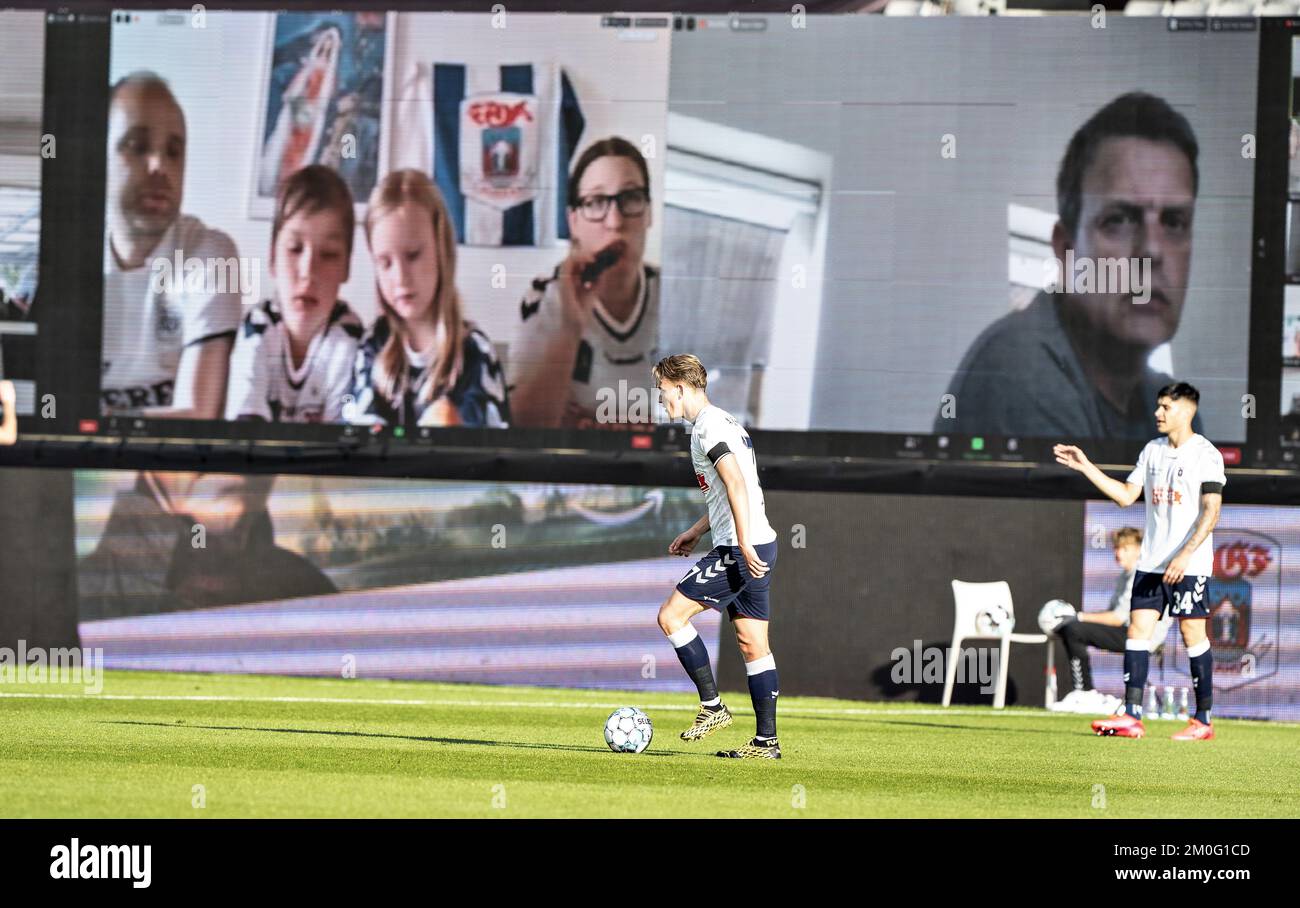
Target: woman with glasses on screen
{"type": "Point", "coordinates": [594, 320]}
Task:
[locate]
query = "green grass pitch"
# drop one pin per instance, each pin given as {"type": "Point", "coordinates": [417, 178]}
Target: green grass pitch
{"type": "Point", "coordinates": [302, 747]}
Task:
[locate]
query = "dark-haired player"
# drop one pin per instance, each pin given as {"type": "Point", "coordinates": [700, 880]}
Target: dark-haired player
{"type": "Point", "coordinates": [1182, 478]}
{"type": "Point", "coordinates": [735, 575]}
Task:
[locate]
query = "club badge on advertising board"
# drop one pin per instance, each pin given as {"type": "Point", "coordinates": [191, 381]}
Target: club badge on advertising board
{"type": "Point", "coordinates": [1245, 595]}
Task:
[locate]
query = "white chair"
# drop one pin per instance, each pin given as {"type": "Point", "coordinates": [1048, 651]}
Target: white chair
{"type": "Point", "coordinates": [971, 601]}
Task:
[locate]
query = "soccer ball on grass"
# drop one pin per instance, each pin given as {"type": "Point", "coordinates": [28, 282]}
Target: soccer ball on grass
{"type": "Point", "coordinates": [628, 730]}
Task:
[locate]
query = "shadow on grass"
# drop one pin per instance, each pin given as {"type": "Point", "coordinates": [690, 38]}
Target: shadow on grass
{"type": "Point", "coordinates": [1018, 729]}
{"type": "Point", "coordinates": [888, 720]}
{"type": "Point", "coordinates": [362, 734]}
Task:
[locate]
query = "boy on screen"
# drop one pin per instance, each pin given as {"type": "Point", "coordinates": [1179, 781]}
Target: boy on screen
{"type": "Point", "coordinates": [1181, 476]}
{"type": "Point", "coordinates": [295, 353]}
{"type": "Point", "coordinates": [736, 574]}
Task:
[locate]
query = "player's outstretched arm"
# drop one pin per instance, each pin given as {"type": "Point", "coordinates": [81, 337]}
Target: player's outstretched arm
{"type": "Point", "coordinates": [1122, 493]}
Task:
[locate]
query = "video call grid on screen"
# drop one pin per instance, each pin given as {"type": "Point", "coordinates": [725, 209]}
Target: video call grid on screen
{"type": "Point", "coordinates": [22, 48]}
{"type": "Point", "coordinates": [832, 229]}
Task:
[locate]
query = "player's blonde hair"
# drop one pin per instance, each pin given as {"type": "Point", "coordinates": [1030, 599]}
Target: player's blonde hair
{"type": "Point", "coordinates": [684, 368]}
{"type": "Point", "coordinates": [1126, 536]}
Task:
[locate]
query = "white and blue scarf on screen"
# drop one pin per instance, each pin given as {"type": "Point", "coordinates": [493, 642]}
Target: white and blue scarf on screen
{"type": "Point", "coordinates": [503, 141]}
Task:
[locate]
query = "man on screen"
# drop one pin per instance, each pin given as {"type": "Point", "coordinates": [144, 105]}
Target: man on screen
{"type": "Point", "coordinates": [184, 540]}
{"type": "Point", "coordinates": [169, 325]}
{"type": "Point", "coordinates": [1075, 361]}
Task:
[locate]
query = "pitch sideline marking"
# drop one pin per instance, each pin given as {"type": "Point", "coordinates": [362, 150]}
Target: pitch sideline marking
{"type": "Point", "coordinates": [509, 704]}
{"type": "Point", "coordinates": [545, 704]}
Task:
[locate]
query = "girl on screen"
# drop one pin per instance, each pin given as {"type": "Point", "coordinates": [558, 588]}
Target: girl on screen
{"type": "Point", "coordinates": [294, 353]}
{"type": "Point", "coordinates": [422, 363]}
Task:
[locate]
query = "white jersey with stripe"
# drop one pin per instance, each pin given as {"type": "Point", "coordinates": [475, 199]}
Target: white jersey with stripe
{"type": "Point", "coordinates": [152, 313]}
{"type": "Point", "coordinates": [265, 384]}
{"type": "Point", "coordinates": [716, 434]}
{"type": "Point", "coordinates": [1171, 480]}
{"type": "Point", "coordinates": [609, 353]}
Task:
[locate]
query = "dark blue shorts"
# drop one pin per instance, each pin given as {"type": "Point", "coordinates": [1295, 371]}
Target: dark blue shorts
{"type": "Point", "coordinates": [1185, 599]}
{"type": "Point", "coordinates": [721, 580]}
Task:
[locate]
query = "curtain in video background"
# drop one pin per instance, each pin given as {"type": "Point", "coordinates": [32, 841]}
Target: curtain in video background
{"type": "Point", "coordinates": [719, 293]}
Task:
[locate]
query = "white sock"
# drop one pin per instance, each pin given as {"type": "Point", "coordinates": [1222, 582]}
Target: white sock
{"type": "Point", "coordinates": [683, 635]}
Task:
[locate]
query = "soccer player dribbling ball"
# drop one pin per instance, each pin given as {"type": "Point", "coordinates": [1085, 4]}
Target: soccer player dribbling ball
{"type": "Point", "coordinates": [1182, 478]}
{"type": "Point", "coordinates": [736, 574]}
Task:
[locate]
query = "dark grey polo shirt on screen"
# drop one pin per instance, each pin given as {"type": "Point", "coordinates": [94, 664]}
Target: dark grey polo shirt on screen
{"type": "Point", "coordinates": [1022, 377]}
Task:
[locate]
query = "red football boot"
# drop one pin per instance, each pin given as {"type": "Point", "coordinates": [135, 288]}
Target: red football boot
{"type": "Point", "coordinates": [1121, 726]}
{"type": "Point", "coordinates": [1195, 731]}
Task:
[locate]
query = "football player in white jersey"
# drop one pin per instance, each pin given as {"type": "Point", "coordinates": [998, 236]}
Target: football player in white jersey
{"type": "Point", "coordinates": [1182, 478]}
{"type": "Point", "coordinates": [166, 339]}
{"type": "Point", "coordinates": [595, 318]}
{"type": "Point", "coordinates": [736, 575]}
{"type": "Point", "coordinates": [295, 353]}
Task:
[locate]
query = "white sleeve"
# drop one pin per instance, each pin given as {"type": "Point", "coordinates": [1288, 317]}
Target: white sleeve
{"type": "Point", "coordinates": [211, 314]}
{"type": "Point", "coordinates": [540, 319]}
{"type": "Point", "coordinates": [718, 432]}
{"type": "Point", "coordinates": [1212, 467]}
{"type": "Point", "coordinates": [1138, 476]}
{"type": "Point", "coordinates": [246, 390]}
{"type": "Point", "coordinates": [700, 436]}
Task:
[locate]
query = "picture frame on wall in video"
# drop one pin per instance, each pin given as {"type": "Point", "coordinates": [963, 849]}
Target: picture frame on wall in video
{"type": "Point", "coordinates": [326, 75]}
